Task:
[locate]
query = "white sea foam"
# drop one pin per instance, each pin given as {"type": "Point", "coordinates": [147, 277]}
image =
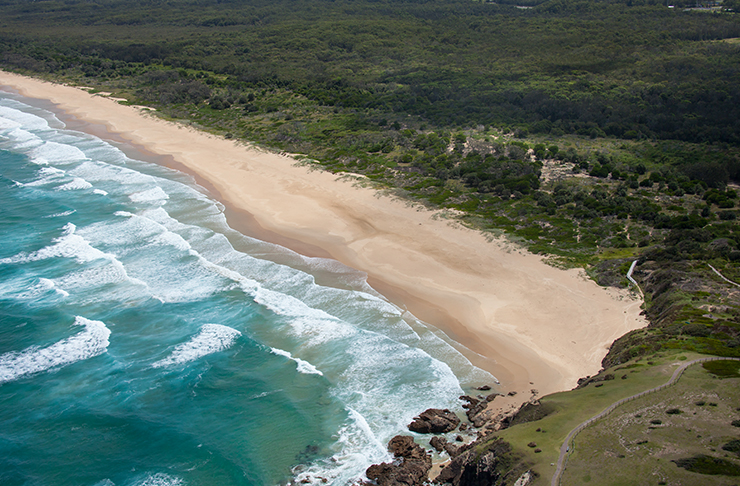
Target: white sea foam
{"type": "Point", "coordinates": [151, 252]}
{"type": "Point", "coordinates": [212, 338]}
{"type": "Point", "coordinates": [65, 213]}
{"type": "Point", "coordinates": [42, 288]}
{"type": "Point", "coordinates": [355, 449]}
{"type": "Point", "coordinates": [76, 184]}
{"type": "Point", "coordinates": [160, 479]}
{"type": "Point", "coordinates": [155, 194]}
{"type": "Point", "coordinates": [105, 482]}
{"type": "Point", "coordinates": [6, 123]}
{"type": "Point", "coordinates": [102, 172]}
{"type": "Point", "coordinates": [57, 153]}
{"type": "Point", "coordinates": [302, 366]}
{"type": "Point", "coordinates": [47, 175]}
{"type": "Point", "coordinates": [100, 191]}
{"type": "Point", "coordinates": [69, 245]}
{"type": "Point", "coordinates": [91, 342]}
{"type": "Point", "coordinates": [16, 118]}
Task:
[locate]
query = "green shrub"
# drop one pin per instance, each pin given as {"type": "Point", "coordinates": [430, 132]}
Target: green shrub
{"type": "Point", "coordinates": [732, 446]}
{"type": "Point", "coordinates": [709, 465]}
{"type": "Point", "coordinates": [723, 368]}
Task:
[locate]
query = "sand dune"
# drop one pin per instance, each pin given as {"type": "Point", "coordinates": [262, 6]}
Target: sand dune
{"type": "Point", "coordinates": [534, 326]}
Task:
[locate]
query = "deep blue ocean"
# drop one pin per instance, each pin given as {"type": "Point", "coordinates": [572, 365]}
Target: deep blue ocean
{"type": "Point", "coordinates": [145, 342]}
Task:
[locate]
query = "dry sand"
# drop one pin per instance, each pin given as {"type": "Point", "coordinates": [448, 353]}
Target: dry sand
{"type": "Point", "coordinates": [534, 326]}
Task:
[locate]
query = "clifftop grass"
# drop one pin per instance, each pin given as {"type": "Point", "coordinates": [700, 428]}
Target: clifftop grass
{"type": "Point", "coordinates": [640, 435]}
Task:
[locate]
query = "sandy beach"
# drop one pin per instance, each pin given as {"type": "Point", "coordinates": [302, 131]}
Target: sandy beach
{"type": "Point", "coordinates": [532, 325]}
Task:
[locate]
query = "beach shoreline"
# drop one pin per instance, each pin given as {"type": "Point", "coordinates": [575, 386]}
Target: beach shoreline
{"type": "Point", "coordinates": [533, 326]}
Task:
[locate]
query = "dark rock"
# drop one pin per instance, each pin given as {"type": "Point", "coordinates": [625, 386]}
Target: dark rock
{"type": "Point", "coordinates": [490, 397]}
{"type": "Point", "coordinates": [410, 469]}
{"type": "Point", "coordinates": [438, 443]}
{"type": "Point", "coordinates": [481, 419]}
{"type": "Point", "coordinates": [473, 407]}
{"type": "Point", "coordinates": [512, 393]}
{"type": "Point", "coordinates": [459, 438]}
{"type": "Point", "coordinates": [453, 450]}
{"type": "Point", "coordinates": [463, 426]}
{"type": "Point", "coordinates": [474, 467]}
{"type": "Point", "coordinates": [404, 446]}
{"type": "Point", "coordinates": [483, 388]}
{"type": "Point", "coordinates": [434, 421]}
{"type": "Point", "coordinates": [472, 402]}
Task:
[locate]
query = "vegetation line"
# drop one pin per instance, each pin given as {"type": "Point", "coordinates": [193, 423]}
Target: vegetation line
{"type": "Point", "coordinates": [721, 276]}
{"type": "Point", "coordinates": [565, 448]}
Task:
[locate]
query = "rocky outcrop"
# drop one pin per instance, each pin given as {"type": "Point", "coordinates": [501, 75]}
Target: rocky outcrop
{"type": "Point", "coordinates": [411, 467]}
{"type": "Point", "coordinates": [441, 444]}
{"type": "Point", "coordinates": [487, 462]}
{"type": "Point", "coordinates": [434, 421]}
{"type": "Point", "coordinates": [475, 409]}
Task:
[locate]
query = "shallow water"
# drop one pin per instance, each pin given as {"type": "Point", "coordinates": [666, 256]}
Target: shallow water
{"type": "Point", "coordinates": [144, 341]}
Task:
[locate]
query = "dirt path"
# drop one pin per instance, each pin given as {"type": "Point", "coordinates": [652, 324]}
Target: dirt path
{"type": "Point", "coordinates": [723, 277]}
{"type": "Point", "coordinates": [565, 448]}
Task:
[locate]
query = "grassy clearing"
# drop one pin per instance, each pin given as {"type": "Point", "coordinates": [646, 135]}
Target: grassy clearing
{"type": "Point", "coordinates": [573, 407]}
{"type": "Point", "coordinates": [642, 438]}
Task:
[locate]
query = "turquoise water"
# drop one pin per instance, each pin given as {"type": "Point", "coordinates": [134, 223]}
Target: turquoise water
{"type": "Point", "coordinates": [143, 341]}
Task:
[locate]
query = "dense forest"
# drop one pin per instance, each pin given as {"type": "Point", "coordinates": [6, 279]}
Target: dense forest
{"type": "Point", "coordinates": [629, 69]}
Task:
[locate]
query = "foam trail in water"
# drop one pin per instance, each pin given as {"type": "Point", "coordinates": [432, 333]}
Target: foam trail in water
{"type": "Point", "coordinates": [65, 213]}
{"type": "Point", "coordinates": [57, 153]}
{"type": "Point", "coordinates": [159, 479]}
{"type": "Point", "coordinates": [303, 366]}
{"type": "Point", "coordinates": [48, 175]}
{"type": "Point", "coordinates": [41, 289]}
{"type": "Point", "coordinates": [76, 184]}
{"type": "Point", "coordinates": [211, 339]}
{"type": "Point", "coordinates": [69, 245]}
{"type": "Point", "coordinates": [155, 194]}
{"type": "Point", "coordinates": [86, 344]}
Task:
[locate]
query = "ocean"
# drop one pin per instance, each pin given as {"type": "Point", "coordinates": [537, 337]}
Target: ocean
{"type": "Point", "coordinates": [143, 341]}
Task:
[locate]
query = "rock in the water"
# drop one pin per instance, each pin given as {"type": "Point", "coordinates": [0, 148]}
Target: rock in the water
{"type": "Point", "coordinates": [483, 388]}
{"type": "Point", "coordinates": [434, 421]}
{"type": "Point", "coordinates": [412, 469]}
{"type": "Point", "coordinates": [438, 443]}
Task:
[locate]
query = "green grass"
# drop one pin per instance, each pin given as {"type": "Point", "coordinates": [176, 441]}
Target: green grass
{"type": "Point", "coordinates": [573, 407]}
{"type": "Point", "coordinates": [642, 440]}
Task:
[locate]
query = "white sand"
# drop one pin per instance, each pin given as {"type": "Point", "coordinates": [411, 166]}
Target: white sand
{"type": "Point", "coordinates": [533, 322]}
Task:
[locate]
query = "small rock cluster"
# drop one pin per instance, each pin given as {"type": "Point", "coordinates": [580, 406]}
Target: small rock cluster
{"type": "Point", "coordinates": [412, 463]}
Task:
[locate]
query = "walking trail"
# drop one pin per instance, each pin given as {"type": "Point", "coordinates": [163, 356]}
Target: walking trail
{"type": "Point", "coordinates": [565, 448]}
